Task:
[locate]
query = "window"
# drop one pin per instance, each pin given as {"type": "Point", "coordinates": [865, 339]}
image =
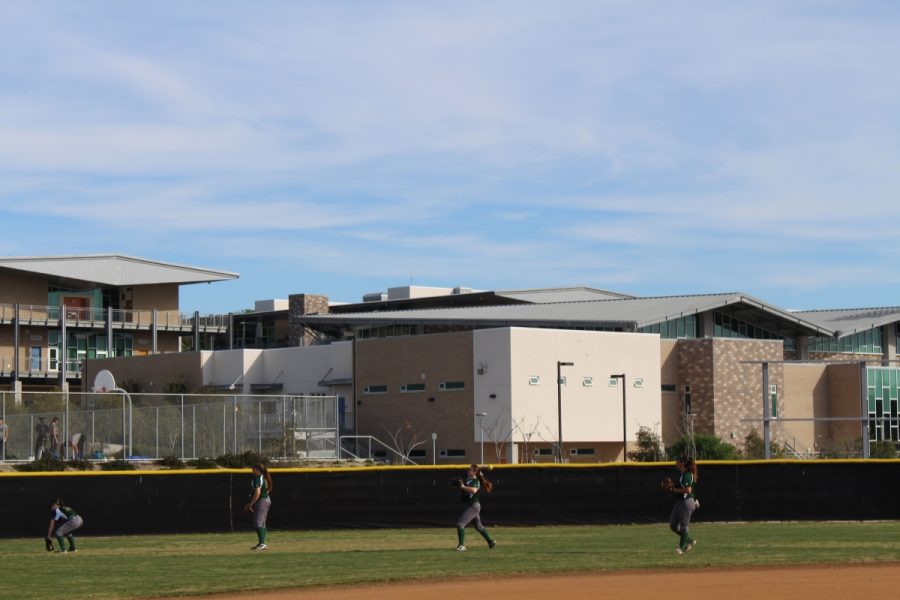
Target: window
{"type": "Point", "coordinates": [682, 327]}
{"type": "Point", "coordinates": [669, 387]}
{"type": "Point", "coordinates": [451, 452]}
{"type": "Point", "coordinates": [375, 389]}
{"type": "Point", "coordinates": [452, 385]}
{"type": "Point", "coordinates": [534, 380]}
{"type": "Point", "coordinates": [730, 327]}
{"type": "Point", "coordinates": [687, 400]}
{"type": "Point", "coordinates": [587, 381]}
{"type": "Point", "coordinates": [417, 453]}
{"type": "Point", "coordinates": [639, 382]}
{"type": "Point", "coordinates": [864, 342]}
{"type": "Point", "coordinates": [773, 400]}
{"type": "Point", "coordinates": [412, 387]}
{"type": "Point", "coordinates": [561, 380]}
{"type": "Point", "coordinates": [380, 454]}
{"type": "Point", "coordinates": [613, 382]}
{"type": "Point", "coordinates": [543, 451]}
{"type": "Point", "coordinates": [581, 451]}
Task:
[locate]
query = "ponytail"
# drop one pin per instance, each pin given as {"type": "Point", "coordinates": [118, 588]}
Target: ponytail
{"type": "Point", "coordinates": [691, 465]}
{"type": "Point", "coordinates": [485, 484]}
{"type": "Point", "coordinates": [265, 473]}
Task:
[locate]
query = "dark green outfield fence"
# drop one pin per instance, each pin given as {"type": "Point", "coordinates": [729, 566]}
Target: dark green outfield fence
{"type": "Point", "coordinates": [211, 501]}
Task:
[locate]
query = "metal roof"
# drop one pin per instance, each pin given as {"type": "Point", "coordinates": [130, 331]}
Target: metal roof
{"type": "Point", "coordinates": [566, 294]}
{"type": "Point", "coordinates": [625, 313]}
{"type": "Point", "coordinates": [847, 321]}
{"type": "Point", "coordinates": [113, 269]}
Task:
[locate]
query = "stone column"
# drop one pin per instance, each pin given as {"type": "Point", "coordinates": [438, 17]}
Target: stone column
{"type": "Point", "coordinates": [304, 304]}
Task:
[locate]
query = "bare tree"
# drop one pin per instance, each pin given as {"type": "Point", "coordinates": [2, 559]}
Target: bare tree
{"type": "Point", "coordinates": [404, 440]}
{"type": "Point", "coordinates": [527, 433]}
{"type": "Point", "coordinates": [498, 432]}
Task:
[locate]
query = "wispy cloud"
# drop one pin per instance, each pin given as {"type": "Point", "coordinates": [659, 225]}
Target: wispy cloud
{"type": "Point", "coordinates": [655, 147]}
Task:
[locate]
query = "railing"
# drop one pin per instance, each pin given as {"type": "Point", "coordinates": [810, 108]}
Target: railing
{"type": "Point", "coordinates": [30, 314]}
{"type": "Point", "coordinates": [367, 445]}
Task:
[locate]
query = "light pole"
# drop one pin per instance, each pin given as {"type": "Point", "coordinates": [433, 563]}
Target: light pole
{"type": "Point", "coordinates": [559, 365]}
{"type": "Point", "coordinates": [624, 429]}
{"type": "Point", "coordinates": [481, 416]}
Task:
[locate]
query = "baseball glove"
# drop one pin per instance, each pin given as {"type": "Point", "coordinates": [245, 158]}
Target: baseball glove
{"type": "Point", "coordinates": [48, 544]}
{"type": "Point", "coordinates": [667, 484]}
{"type": "Point", "coordinates": [456, 483]}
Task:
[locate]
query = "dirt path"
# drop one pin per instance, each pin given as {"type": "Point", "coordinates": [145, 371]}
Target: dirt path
{"type": "Point", "coordinates": [839, 582]}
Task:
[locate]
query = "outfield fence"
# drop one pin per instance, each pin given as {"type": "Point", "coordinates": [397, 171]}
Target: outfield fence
{"type": "Point", "coordinates": [138, 426]}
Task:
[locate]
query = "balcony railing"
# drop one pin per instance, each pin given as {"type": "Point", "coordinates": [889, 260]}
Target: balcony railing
{"type": "Point", "coordinates": [166, 320]}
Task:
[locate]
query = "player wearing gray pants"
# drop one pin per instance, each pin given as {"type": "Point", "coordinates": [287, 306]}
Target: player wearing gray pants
{"type": "Point", "coordinates": [63, 521]}
{"type": "Point", "coordinates": [470, 487]}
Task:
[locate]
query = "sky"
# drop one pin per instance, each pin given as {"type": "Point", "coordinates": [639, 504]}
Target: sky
{"type": "Point", "coordinates": [345, 147]}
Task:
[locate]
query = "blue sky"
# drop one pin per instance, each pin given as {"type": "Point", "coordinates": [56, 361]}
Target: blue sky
{"type": "Point", "coordinates": [341, 148]}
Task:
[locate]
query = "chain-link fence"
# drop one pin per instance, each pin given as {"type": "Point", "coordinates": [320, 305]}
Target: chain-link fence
{"type": "Point", "coordinates": [187, 426]}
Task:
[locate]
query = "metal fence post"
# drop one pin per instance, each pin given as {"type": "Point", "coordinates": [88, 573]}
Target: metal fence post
{"type": "Point", "coordinates": [234, 425]}
{"type": "Point", "coordinates": [181, 431]}
{"type": "Point", "coordinates": [194, 430]}
{"type": "Point", "coordinates": [157, 432]}
{"type": "Point", "coordinates": [259, 425]}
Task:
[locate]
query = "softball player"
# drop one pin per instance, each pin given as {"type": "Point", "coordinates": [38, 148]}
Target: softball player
{"type": "Point", "coordinates": [64, 520]}
{"type": "Point", "coordinates": [687, 503]}
{"type": "Point", "coordinates": [471, 487]}
{"type": "Point", "coordinates": [259, 502]}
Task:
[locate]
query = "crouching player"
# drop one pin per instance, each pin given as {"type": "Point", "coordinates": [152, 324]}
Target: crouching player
{"type": "Point", "coordinates": [63, 521]}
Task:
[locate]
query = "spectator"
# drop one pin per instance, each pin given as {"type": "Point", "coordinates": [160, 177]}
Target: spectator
{"type": "Point", "coordinates": [41, 431]}
{"type": "Point", "coordinates": [56, 447]}
{"type": "Point", "coordinates": [4, 435]}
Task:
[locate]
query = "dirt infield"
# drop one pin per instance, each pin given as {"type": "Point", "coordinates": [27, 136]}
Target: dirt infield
{"type": "Point", "coordinates": [838, 582]}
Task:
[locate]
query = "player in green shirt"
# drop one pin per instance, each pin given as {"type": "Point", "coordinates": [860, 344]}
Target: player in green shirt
{"type": "Point", "coordinates": [687, 503]}
{"type": "Point", "coordinates": [471, 486]}
{"type": "Point", "coordinates": [64, 521]}
{"type": "Point", "coordinates": [259, 502]}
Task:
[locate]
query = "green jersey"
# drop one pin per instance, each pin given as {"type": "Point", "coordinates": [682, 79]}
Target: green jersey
{"type": "Point", "coordinates": [687, 480]}
{"type": "Point", "coordinates": [260, 482]}
{"type": "Point", "coordinates": [473, 482]}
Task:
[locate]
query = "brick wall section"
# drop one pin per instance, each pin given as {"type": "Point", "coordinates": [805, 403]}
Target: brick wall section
{"type": "Point", "coordinates": [738, 387]}
{"type": "Point", "coordinates": [695, 369]}
{"type": "Point", "coordinates": [303, 304]}
{"type": "Point", "coordinates": [723, 390]}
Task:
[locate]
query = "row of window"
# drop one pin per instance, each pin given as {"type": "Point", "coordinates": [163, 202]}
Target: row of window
{"type": "Point", "coordinates": [386, 331]}
{"type": "Point", "coordinates": [680, 328]}
{"type": "Point", "coordinates": [864, 342]}
{"type": "Point", "coordinates": [409, 388]}
{"type": "Point", "coordinates": [883, 395]}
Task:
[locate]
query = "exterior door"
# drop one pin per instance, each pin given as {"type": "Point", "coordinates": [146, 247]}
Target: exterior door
{"type": "Point", "coordinates": [35, 358]}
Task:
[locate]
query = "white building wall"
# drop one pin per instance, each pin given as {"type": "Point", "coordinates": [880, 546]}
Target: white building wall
{"type": "Point", "coordinates": [298, 369]}
{"type": "Point", "coordinates": [589, 413]}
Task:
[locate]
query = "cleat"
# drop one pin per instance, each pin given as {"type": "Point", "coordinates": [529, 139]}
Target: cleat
{"type": "Point", "coordinates": [261, 547]}
{"type": "Point", "coordinates": [690, 545]}
{"type": "Point", "coordinates": [460, 548]}
{"type": "Point", "coordinates": [679, 551]}
{"type": "Point", "coordinates": [492, 544]}
{"type": "Point", "coordinates": [254, 547]}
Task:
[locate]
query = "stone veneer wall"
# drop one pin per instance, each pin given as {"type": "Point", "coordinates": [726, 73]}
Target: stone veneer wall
{"type": "Point", "coordinates": [303, 304]}
{"type": "Point", "coordinates": [738, 386]}
{"type": "Point", "coordinates": [695, 369]}
{"type": "Point", "coordinates": [723, 390]}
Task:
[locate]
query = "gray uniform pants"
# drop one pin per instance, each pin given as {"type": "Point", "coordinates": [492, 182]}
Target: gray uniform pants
{"type": "Point", "coordinates": [261, 511]}
{"type": "Point", "coordinates": [680, 519]}
{"type": "Point", "coordinates": [473, 513]}
{"type": "Point", "coordinates": [68, 527]}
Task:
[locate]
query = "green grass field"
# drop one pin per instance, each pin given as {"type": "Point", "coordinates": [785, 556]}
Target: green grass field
{"type": "Point", "coordinates": [170, 565]}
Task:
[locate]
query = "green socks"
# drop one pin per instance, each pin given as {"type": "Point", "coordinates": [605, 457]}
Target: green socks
{"type": "Point", "coordinates": [685, 540]}
{"type": "Point", "coordinates": [261, 534]}
{"type": "Point", "coordinates": [461, 534]}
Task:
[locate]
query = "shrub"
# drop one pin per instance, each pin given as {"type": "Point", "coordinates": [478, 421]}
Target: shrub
{"type": "Point", "coordinates": [47, 463]}
{"type": "Point", "coordinates": [755, 447]}
{"type": "Point", "coordinates": [650, 448]}
{"type": "Point", "coordinates": [171, 462]}
{"type": "Point", "coordinates": [882, 449]}
{"type": "Point", "coordinates": [117, 465]}
{"type": "Point", "coordinates": [80, 464]}
{"type": "Point", "coordinates": [203, 463]}
{"type": "Point", "coordinates": [708, 447]}
{"type": "Point", "coordinates": [238, 461]}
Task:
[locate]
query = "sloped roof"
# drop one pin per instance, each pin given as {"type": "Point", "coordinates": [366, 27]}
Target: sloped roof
{"type": "Point", "coordinates": [625, 313]}
{"type": "Point", "coordinates": [566, 294]}
{"type": "Point", "coordinates": [847, 321]}
{"type": "Point", "coordinates": [113, 269]}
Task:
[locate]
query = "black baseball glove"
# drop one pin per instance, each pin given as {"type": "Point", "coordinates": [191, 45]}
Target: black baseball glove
{"type": "Point", "coordinates": [667, 484]}
{"type": "Point", "coordinates": [456, 483]}
{"type": "Point", "coordinates": [48, 544]}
